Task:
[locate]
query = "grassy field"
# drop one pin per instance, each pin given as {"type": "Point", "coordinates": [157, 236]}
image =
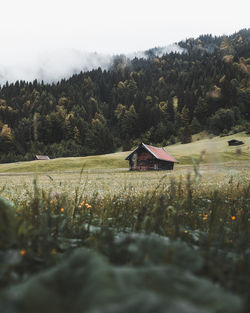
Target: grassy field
{"type": "Point", "coordinates": [105, 239]}
{"type": "Point", "coordinates": [19, 186]}
{"type": "Point", "coordinates": [217, 151]}
{"type": "Point", "coordinates": [69, 238]}
{"type": "Point", "coordinates": [107, 174]}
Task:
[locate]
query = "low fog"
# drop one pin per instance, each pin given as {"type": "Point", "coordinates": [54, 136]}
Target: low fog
{"type": "Point", "coordinates": [50, 40]}
{"type": "Point", "coordinates": [54, 65]}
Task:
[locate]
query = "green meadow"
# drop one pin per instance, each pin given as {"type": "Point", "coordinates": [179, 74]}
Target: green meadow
{"type": "Point", "coordinates": [87, 235]}
{"type": "Point", "coordinates": [216, 151]}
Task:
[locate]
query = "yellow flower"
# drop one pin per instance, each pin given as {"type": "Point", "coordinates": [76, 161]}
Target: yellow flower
{"type": "Point", "coordinates": [233, 218]}
{"type": "Point", "coordinates": [62, 210]}
{"type": "Point", "coordinates": [23, 252]}
{"type": "Point", "coordinates": [53, 251]}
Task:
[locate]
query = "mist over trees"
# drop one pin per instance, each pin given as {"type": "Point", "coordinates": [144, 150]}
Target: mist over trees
{"type": "Point", "coordinates": [159, 100]}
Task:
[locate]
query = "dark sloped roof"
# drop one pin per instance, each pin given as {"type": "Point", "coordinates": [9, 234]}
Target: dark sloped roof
{"type": "Point", "coordinates": [158, 153]}
{"type": "Point", "coordinates": [235, 142]}
{"type": "Point", "coordinates": [42, 157]}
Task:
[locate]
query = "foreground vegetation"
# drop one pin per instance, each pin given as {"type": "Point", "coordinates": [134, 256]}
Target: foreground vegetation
{"type": "Point", "coordinates": [176, 242]}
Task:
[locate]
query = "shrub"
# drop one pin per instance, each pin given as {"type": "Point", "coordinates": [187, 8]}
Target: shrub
{"type": "Point", "coordinates": [222, 121]}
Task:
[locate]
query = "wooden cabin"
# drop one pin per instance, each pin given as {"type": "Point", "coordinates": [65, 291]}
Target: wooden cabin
{"type": "Point", "coordinates": [146, 157]}
{"type": "Point", "coordinates": [42, 157]}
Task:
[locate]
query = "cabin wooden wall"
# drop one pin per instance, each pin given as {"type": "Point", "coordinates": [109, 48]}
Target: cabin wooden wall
{"type": "Point", "coordinates": [165, 165]}
{"type": "Point", "coordinates": [144, 161]}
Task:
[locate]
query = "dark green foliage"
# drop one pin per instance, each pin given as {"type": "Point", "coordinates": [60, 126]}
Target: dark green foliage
{"type": "Point", "coordinates": [8, 224]}
{"type": "Point", "coordinates": [222, 120]}
{"type": "Point", "coordinates": [176, 95]}
{"type": "Point", "coordinates": [196, 126]}
{"type": "Point", "coordinates": [86, 282]}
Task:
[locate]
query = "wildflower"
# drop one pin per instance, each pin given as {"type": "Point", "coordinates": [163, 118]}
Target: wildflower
{"type": "Point", "coordinates": [51, 201]}
{"type": "Point", "coordinates": [79, 206]}
{"type": "Point", "coordinates": [62, 210]}
{"type": "Point", "coordinates": [23, 252]}
{"type": "Point", "coordinates": [53, 251]}
{"type": "Point", "coordinates": [233, 218]}
{"type": "Point", "coordinates": [88, 205]}
{"type": "Point", "coordinates": [186, 231]}
{"type": "Point", "coordinates": [82, 203]}
{"type": "Point", "coordinates": [204, 218]}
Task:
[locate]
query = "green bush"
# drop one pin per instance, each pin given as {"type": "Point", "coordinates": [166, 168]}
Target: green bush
{"type": "Point", "coordinates": [222, 121]}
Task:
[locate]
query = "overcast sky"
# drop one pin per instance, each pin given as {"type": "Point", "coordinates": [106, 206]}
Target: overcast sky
{"type": "Point", "coordinates": [35, 33]}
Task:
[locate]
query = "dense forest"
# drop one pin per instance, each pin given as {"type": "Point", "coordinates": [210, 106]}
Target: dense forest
{"type": "Point", "coordinates": [158, 100]}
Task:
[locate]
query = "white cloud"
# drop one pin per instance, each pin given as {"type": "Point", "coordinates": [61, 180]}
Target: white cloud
{"type": "Point", "coordinates": [53, 65]}
{"type": "Point", "coordinates": [31, 31]}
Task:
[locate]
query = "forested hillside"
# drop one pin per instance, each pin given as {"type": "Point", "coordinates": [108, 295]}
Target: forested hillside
{"type": "Point", "coordinates": [158, 100]}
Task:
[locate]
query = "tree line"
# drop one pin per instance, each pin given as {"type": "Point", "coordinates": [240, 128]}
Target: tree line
{"type": "Point", "coordinates": [158, 100]}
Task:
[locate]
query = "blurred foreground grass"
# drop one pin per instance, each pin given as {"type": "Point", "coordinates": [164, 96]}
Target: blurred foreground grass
{"type": "Point", "coordinates": [126, 242]}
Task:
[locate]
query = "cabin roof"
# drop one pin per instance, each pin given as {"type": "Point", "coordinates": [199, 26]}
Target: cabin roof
{"type": "Point", "coordinates": [42, 157]}
{"type": "Point", "coordinates": [158, 153]}
{"type": "Point", "coordinates": [234, 140]}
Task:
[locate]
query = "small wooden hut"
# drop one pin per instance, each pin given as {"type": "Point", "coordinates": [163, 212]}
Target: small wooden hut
{"type": "Point", "coordinates": [235, 142]}
{"type": "Point", "coordinates": [42, 157]}
{"type": "Point", "coordinates": [146, 157]}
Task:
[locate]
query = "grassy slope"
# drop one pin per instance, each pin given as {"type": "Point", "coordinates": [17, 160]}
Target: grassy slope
{"type": "Point", "coordinates": [217, 150]}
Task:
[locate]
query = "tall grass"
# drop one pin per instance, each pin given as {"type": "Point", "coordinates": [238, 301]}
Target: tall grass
{"type": "Point", "coordinates": [39, 230]}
